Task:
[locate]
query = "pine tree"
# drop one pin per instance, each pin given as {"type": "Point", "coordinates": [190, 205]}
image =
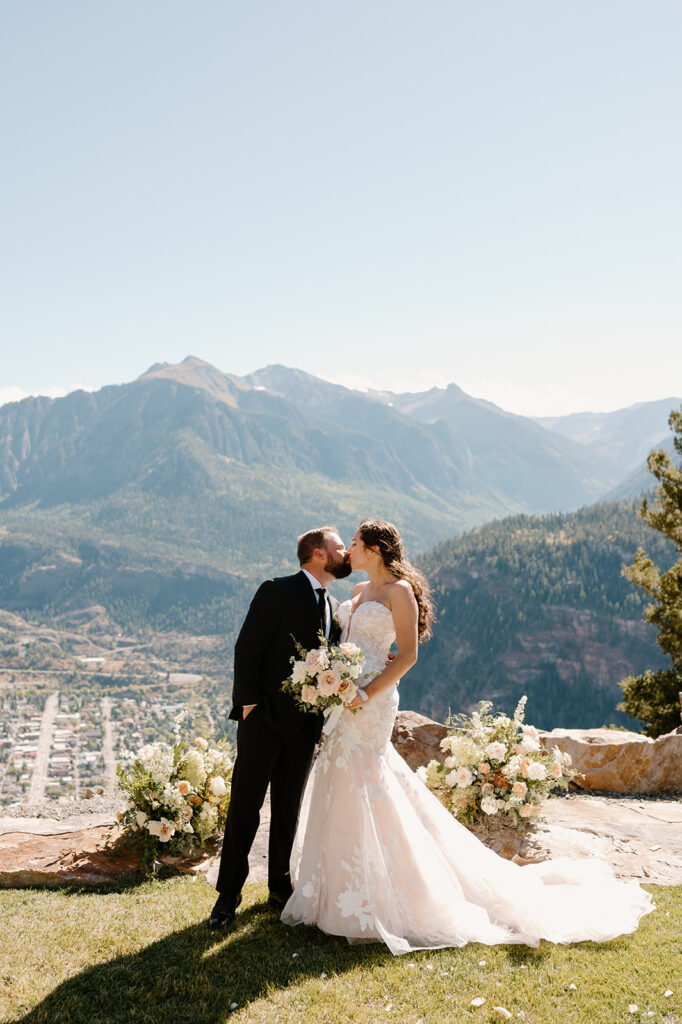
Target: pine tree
{"type": "Point", "coordinates": [654, 697]}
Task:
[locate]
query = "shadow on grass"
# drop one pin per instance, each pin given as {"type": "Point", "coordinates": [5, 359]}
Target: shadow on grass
{"type": "Point", "coordinates": [194, 975]}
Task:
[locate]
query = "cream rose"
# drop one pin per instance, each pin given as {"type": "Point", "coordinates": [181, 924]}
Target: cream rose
{"type": "Point", "coordinates": [328, 682]}
{"type": "Point", "coordinates": [308, 694]}
{"type": "Point", "coordinates": [464, 777]}
{"type": "Point", "coordinates": [484, 768]}
{"type": "Point", "coordinates": [519, 789]}
{"type": "Point", "coordinates": [316, 661]}
{"type": "Point", "coordinates": [496, 751]}
{"type": "Point", "coordinates": [489, 805]}
{"type": "Point", "coordinates": [217, 785]}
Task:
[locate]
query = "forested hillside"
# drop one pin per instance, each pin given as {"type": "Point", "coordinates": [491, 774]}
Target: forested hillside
{"type": "Point", "coordinates": [538, 606]}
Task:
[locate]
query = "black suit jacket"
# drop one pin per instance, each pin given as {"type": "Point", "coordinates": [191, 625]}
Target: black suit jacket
{"type": "Point", "coordinates": [281, 609]}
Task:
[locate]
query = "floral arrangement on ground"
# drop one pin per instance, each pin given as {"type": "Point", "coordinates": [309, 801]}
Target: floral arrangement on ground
{"type": "Point", "coordinates": [177, 796]}
{"type": "Point", "coordinates": [496, 768]}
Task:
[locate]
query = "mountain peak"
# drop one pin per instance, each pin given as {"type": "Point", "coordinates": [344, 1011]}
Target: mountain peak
{"type": "Point", "coordinates": [197, 373]}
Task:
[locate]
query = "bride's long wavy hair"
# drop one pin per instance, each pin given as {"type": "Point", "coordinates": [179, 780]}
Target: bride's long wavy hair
{"type": "Point", "coordinates": [377, 533]}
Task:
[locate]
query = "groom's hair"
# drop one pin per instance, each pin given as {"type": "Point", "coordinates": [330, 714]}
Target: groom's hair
{"type": "Point", "coordinates": [307, 542]}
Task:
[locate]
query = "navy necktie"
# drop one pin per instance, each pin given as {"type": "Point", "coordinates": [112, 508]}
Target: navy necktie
{"type": "Point", "coordinates": [322, 607]}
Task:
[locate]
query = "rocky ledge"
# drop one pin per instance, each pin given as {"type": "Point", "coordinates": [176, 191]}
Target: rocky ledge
{"type": "Point", "coordinates": [639, 834]}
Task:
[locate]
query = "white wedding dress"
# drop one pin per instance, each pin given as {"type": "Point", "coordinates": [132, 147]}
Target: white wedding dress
{"type": "Point", "coordinates": [377, 857]}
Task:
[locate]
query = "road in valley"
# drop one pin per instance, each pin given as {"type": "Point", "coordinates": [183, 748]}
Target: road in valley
{"type": "Point", "coordinates": [37, 790]}
{"type": "Point", "coordinates": [108, 748]}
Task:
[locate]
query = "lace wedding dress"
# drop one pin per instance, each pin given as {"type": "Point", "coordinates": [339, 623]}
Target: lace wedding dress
{"type": "Point", "coordinates": [378, 858]}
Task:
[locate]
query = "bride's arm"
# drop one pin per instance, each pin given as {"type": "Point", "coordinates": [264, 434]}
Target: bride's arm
{"type": "Point", "coordinates": [405, 620]}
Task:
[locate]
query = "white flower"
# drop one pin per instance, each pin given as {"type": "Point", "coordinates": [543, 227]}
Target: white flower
{"type": "Point", "coordinates": [537, 771]}
{"type": "Point", "coordinates": [527, 745]}
{"type": "Point", "coordinates": [450, 762]}
{"type": "Point", "coordinates": [464, 777]}
{"type": "Point", "coordinates": [421, 773]}
{"type": "Point", "coordinates": [201, 743]}
{"type": "Point", "coordinates": [349, 649]}
{"type": "Point", "coordinates": [141, 818]}
{"type": "Point", "coordinates": [299, 673]}
{"type": "Point", "coordinates": [217, 785]}
{"type": "Point", "coordinates": [316, 661]}
{"type": "Point", "coordinates": [193, 769]}
{"type": "Point", "coordinates": [163, 829]}
{"type": "Point", "coordinates": [496, 751]}
{"type": "Point", "coordinates": [489, 805]}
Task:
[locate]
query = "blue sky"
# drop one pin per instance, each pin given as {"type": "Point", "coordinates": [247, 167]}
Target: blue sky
{"type": "Point", "coordinates": [384, 193]}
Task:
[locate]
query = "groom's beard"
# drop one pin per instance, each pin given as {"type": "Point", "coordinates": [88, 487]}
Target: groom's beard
{"type": "Point", "coordinates": [339, 570]}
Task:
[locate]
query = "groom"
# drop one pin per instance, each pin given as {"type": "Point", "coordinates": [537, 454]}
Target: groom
{"type": "Point", "coordinates": [275, 739]}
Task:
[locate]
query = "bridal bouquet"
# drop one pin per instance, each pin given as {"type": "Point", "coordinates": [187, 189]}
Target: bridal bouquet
{"type": "Point", "coordinates": [325, 677]}
{"type": "Point", "coordinates": [495, 765]}
{"type": "Point", "coordinates": [178, 796]}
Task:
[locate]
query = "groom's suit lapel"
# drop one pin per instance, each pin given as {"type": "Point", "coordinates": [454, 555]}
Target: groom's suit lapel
{"type": "Point", "coordinates": [308, 599]}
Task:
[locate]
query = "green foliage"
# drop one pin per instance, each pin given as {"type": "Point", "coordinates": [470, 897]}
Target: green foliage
{"type": "Point", "coordinates": [536, 605]}
{"type": "Point", "coordinates": [653, 696]}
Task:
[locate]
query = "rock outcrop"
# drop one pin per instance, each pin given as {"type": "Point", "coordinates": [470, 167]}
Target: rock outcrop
{"type": "Point", "coordinates": [417, 739]}
{"type": "Point", "coordinates": [621, 762]}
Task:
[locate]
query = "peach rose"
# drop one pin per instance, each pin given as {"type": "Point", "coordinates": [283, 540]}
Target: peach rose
{"type": "Point", "coordinates": [484, 768]}
{"type": "Point", "coordinates": [519, 789]}
{"type": "Point", "coordinates": [183, 787]}
{"type": "Point", "coordinates": [525, 765]}
{"type": "Point", "coordinates": [308, 694]}
{"type": "Point", "coordinates": [556, 769]}
{"type": "Point", "coordinates": [328, 682]}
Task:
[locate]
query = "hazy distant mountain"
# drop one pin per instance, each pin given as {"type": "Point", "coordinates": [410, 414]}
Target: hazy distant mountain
{"type": "Point", "coordinates": [640, 480]}
{"type": "Point", "coordinates": [532, 468]}
{"type": "Point", "coordinates": [625, 436]}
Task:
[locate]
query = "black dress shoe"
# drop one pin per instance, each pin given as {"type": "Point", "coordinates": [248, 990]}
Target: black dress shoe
{"type": "Point", "coordinates": [222, 915]}
{"type": "Point", "coordinates": [276, 900]}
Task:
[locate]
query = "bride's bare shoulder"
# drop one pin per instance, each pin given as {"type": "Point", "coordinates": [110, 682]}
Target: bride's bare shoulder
{"type": "Point", "coordinates": [359, 587]}
{"type": "Point", "coordinates": [401, 593]}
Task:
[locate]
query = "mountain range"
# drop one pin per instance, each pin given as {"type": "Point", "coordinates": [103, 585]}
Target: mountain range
{"type": "Point", "coordinates": [188, 454]}
{"type": "Point", "coordinates": [164, 499]}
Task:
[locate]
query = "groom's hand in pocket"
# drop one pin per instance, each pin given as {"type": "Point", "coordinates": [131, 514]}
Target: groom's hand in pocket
{"type": "Point", "coordinates": [246, 711]}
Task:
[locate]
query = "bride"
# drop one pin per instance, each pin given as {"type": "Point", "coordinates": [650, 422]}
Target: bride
{"type": "Point", "coordinates": [377, 857]}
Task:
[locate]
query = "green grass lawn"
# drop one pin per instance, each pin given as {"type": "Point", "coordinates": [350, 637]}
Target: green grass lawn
{"type": "Point", "coordinates": [142, 954]}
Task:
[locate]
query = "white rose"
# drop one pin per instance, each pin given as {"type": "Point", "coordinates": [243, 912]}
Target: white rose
{"type": "Point", "coordinates": [217, 785]}
{"type": "Point", "coordinates": [316, 661]}
{"type": "Point", "coordinates": [497, 751]}
{"type": "Point", "coordinates": [489, 805]}
{"type": "Point", "coordinates": [140, 818]}
{"type": "Point", "coordinates": [348, 649]}
{"type": "Point", "coordinates": [451, 779]}
{"type": "Point", "coordinates": [450, 762]}
{"type": "Point", "coordinates": [527, 745]}
{"type": "Point", "coordinates": [308, 694]}
{"type": "Point", "coordinates": [464, 777]}
{"type": "Point", "coordinates": [537, 771]}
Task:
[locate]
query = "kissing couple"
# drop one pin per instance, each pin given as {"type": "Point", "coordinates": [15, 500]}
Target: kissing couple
{"type": "Point", "coordinates": [359, 846]}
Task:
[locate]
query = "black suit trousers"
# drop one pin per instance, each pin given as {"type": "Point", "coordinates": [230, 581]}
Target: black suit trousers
{"type": "Point", "coordinates": [283, 762]}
